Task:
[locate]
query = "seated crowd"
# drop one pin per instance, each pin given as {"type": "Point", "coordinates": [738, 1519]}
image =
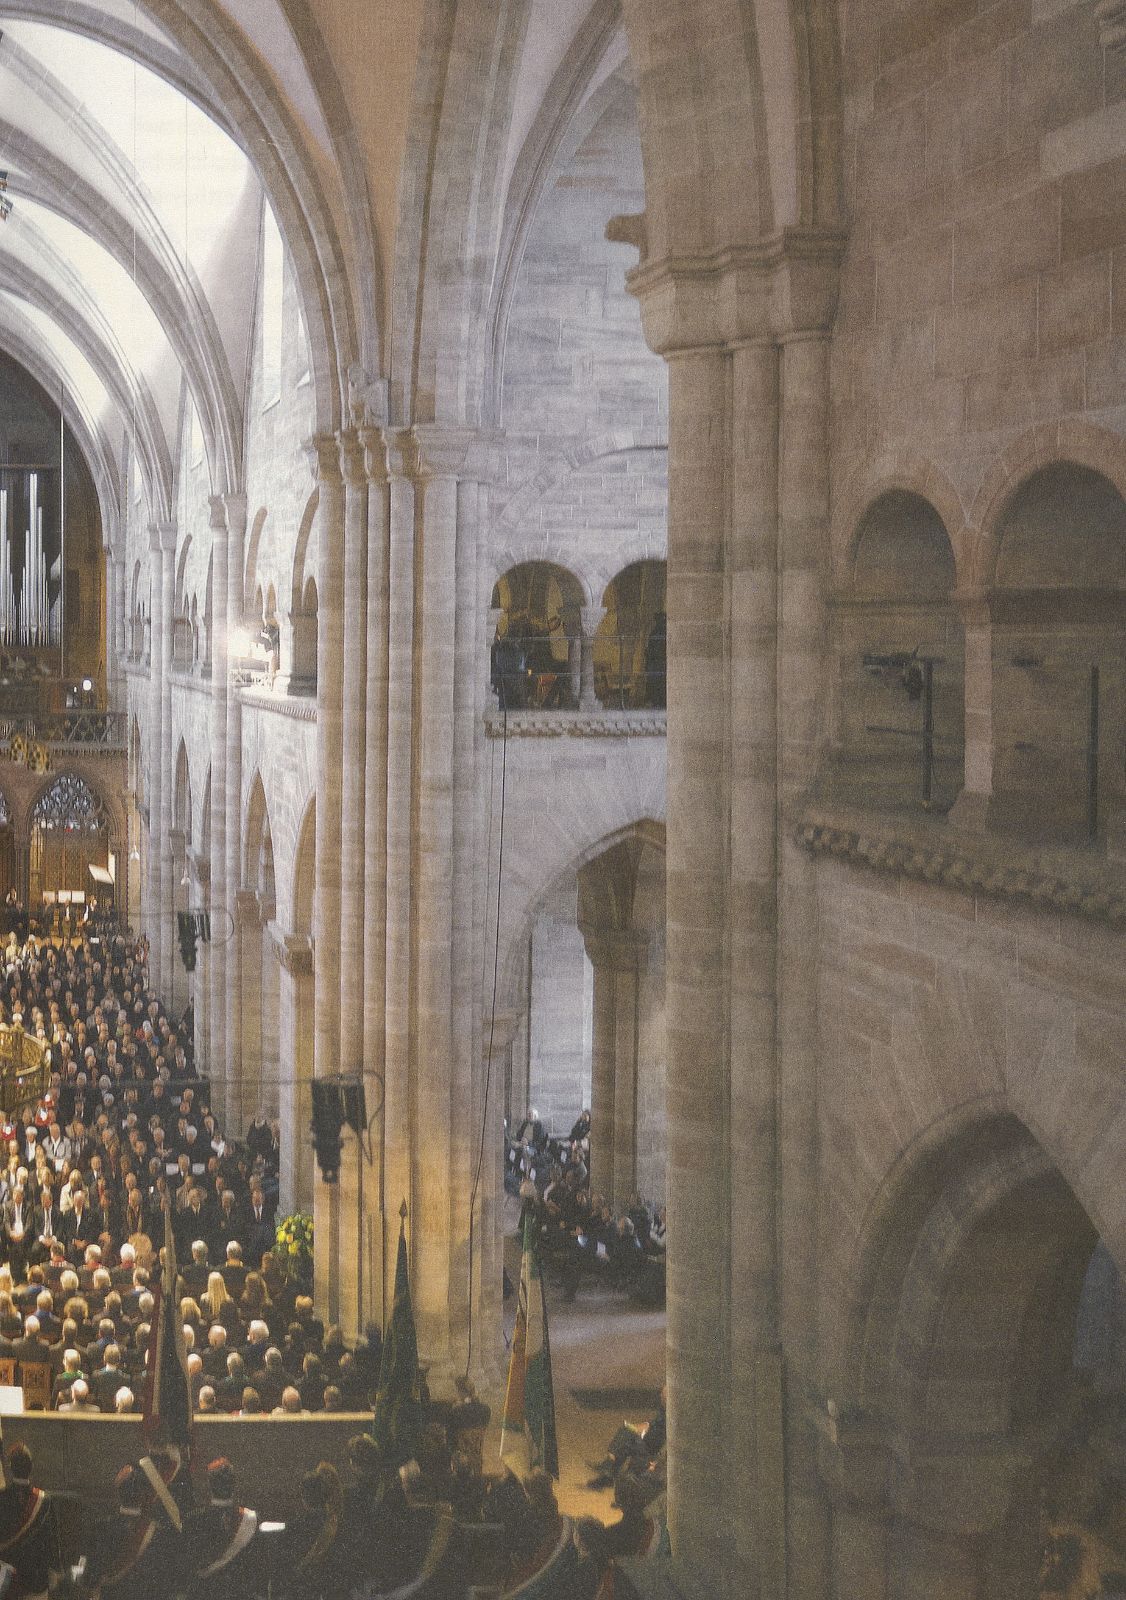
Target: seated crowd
{"type": "Point", "coordinates": [364, 1528]}
{"type": "Point", "coordinates": [126, 1125]}
{"type": "Point", "coordinates": [581, 1237]}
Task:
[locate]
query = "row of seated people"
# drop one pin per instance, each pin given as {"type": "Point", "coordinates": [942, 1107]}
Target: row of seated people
{"type": "Point", "coordinates": [244, 1353]}
{"type": "Point", "coordinates": [581, 1235]}
{"type": "Point", "coordinates": [436, 1528]}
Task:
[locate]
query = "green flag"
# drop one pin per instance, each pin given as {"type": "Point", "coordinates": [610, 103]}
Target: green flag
{"type": "Point", "coordinates": [528, 1425]}
{"type": "Point", "coordinates": [398, 1410]}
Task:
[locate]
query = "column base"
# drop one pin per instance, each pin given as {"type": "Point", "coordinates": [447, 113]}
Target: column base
{"type": "Point", "coordinates": [972, 813]}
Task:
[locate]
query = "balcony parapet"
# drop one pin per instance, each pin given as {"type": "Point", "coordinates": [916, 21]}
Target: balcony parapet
{"type": "Point", "coordinates": [576, 724]}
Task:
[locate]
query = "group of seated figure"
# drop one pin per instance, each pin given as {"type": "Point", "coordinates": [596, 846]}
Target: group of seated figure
{"type": "Point", "coordinates": [581, 1238]}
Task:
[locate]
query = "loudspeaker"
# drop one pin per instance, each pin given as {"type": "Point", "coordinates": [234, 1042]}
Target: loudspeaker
{"type": "Point", "coordinates": [328, 1118]}
{"type": "Point", "coordinates": [353, 1107]}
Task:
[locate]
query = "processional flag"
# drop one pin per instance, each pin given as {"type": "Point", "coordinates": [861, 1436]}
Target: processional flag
{"type": "Point", "coordinates": [527, 1430]}
{"type": "Point", "coordinates": [398, 1408]}
{"type": "Point", "coordinates": [168, 1390]}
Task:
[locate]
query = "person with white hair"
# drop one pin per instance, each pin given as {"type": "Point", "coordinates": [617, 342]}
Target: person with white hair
{"type": "Point", "coordinates": [67, 1378]}
{"type": "Point", "coordinates": [123, 1401]}
{"type": "Point", "coordinates": [78, 1398]}
{"type": "Point", "coordinates": [290, 1405]}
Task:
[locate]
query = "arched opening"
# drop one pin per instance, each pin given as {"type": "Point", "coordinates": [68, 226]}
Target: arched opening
{"type": "Point", "coordinates": [976, 1413]}
{"type": "Point", "coordinates": [70, 833]}
{"type": "Point", "coordinates": [1058, 616]}
{"type": "Point", "coordinates": [536, 658]}
{"type": "Point", "coordinates": [629, 647]}
{"type": "Point", "coordinates": [589, 1033]}
{"type": "Point", "coordinates": [898, 689]}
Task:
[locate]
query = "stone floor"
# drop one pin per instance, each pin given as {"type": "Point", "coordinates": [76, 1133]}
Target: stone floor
{"type": "Point", "coordinates": [607, 1356]}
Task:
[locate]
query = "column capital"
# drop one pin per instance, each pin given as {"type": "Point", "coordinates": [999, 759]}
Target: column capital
{"type": "Point", "coordinates": [352, 465]}
{"type": "Point", "coordinates": [294, 953]}
{"type": "Point", "coordinates": [227, 510]}
{"type": "Point", "coordinates": [162, 537]}
{"type": "Point", "coordinates": [374, 444]}
{"type": "Point", "coordinates": [322, 452]}
{"type": "Point", "coordinates": [442, 450]}
{"type": "Point", "coordinates": [779, 286]}
{"type": "Point", "coordinates": [590, 618]}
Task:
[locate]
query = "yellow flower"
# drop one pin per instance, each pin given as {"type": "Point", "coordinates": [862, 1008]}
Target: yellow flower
{"type": "Point", "coordinates": [294, 1249]}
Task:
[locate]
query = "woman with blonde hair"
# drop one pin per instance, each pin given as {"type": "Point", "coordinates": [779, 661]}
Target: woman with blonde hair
{"type": "Point", "coordinates": [217, 1302]}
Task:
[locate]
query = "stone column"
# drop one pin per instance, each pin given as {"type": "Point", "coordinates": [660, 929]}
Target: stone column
{"type": "Point", "coordinates": [353, 734]}
{"type": "Point", "coordinates": [121, 615]}
{"type": "Point", "coordinates": [397, 1185]}
{"type": "Point", "coordinates": [199, 895]}
{"type": "Point", "coordinates": [803, 506]}
{"type": "Point", "coordinates": [325, 455]}
{"type": "Point", "coordinates": [748, 505]}
{"type": "Point", "coordinates": [972, 808]}
{"type": "Point", "coordinates": [757, 1483]}
{"type": "Point", "coordinates": [217, 1051]}
{"type": "Point", "coordinates": [111, 625]}
{"type": "Point", "coordinates": [167, 919]}
{"type": "Point", "coordinates": [152, 898]}
{"type": "Point", "coordinates": [699, 1309]}
{"type": "Point", "coordinates": [248, 945]}
{"type": "Point", "coordinates": [372, 1304]}
{"type": "Point", "coordinates": [618, 959]}
{"type": "Point", "coordinates": [351, 1222]}
{"type": "Point", "coordinates": [591, 620]}
{"type": "Point", "coordinates": [295, 1069]}
{"type": "Point", "coordinates": [177, 899]}
{"type": "Point", "coordinates": [441, 458]}
{"type": "Point", "coordinates": [235, 513]}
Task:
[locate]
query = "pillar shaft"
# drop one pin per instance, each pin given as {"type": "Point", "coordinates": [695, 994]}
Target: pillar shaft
{"type": "Point", "coordinates": [330, 755]}
{"type": "Point", "coordinates": [757, 1482]}
{"type": "Point", "coordinates": [353, 734]}
{"type": "Point", "coordinates": [432, 1067]}
{"type": "Point", "coordinates": [591, 618]}
{"type": "Point", "coordinates": [217, 898]}
{"type": "Point", "coordinates": [804, 538]}
{"type": "Point", "coordinates": [235, 515]}
{"type": "Point", "coordinates": [699, 1311]}
{"type": "Point", "coordinates": [166, 914]}
{"type": "Point", "coordinates": [373, 1274]}
{"type": "Point", "coordinates": [972, 807]}
{"type": "Point", "coordinates": [397, 1120]}
{"type": "Point", "coordinates": [153, 888]}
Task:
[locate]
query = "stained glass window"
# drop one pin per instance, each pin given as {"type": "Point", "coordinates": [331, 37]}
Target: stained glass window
{"type": "Point", "coordinates": [70, 806]}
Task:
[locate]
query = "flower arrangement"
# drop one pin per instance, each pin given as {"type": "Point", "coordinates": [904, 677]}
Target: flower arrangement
{"type": "Point", "coordinates": [293, 1244]}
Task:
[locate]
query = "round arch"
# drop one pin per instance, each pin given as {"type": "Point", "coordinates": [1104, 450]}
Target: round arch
{"type": "Point", "coordinates": [963, 1351]}
{"type": "Point", "coordinates": [1072, 441]}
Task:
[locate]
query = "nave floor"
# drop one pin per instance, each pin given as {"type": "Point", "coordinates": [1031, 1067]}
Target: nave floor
{"type": "Point", "coordinates": [600, 1343]}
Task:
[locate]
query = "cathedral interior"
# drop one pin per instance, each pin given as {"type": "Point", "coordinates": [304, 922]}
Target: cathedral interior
{"type": "Point", "coordinates": [581, 544]}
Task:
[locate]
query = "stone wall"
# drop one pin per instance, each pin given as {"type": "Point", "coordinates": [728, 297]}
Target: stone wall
{"type": "Point", "coordinates": [983, 159]}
